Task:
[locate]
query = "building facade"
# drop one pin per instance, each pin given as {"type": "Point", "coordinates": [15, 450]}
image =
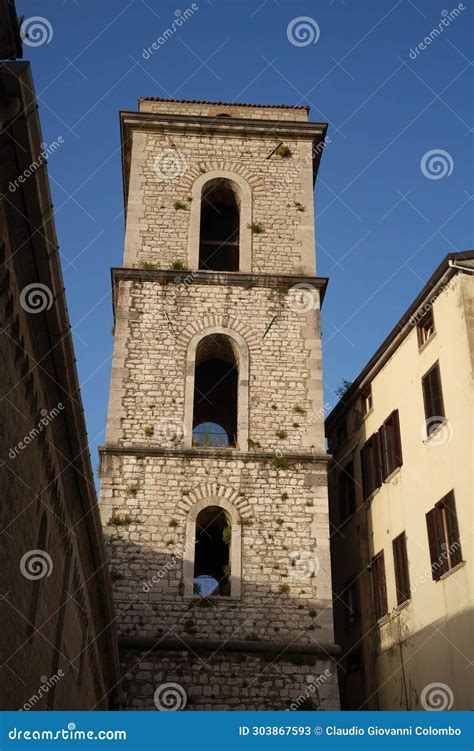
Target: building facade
{"type": "Point", "coordinates": [57, 639]}
{"type": "Point", "coordinates": [213, 475]}
{"type": "Point", "coordinates": [401, 492]}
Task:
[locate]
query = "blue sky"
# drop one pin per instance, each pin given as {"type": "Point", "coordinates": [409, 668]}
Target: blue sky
{"type": "Point", "coordinates": [382, 224]}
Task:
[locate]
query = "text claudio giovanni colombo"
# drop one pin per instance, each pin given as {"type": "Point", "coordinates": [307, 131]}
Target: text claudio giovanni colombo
{"type": "Point", "coordinates": [354, 730]}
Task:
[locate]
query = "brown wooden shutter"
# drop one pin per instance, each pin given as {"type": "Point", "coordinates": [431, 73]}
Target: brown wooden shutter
{"type": "Point", "coordinates": [437, 392]}
{"type": "Point", "coordinates": [453, 529]}
{"type": "Point", "coordinates": [397, 439]}
{"type": "Point", "coordinates": [364, 463]}
{"type": "Point", "coordinates": [377, 460]}
{"type": "Point", "coordinates": [432, 393]}
{"type": "Point", "coordinates": [402, 579]}
{"type": "Point", "coordinates": [382, 437]}
{"type": "Point", "coordinates": [438, 563]}
{"type": "Point", "coordinates": [379, 586]}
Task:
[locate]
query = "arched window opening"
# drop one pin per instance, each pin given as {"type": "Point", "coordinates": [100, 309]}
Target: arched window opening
{"type": "Point", "coordinates": [212, 553]}
{"type": "Point", "coordinates": [220, 226]}
{"type": "Point", "coordinates": [216, 392]}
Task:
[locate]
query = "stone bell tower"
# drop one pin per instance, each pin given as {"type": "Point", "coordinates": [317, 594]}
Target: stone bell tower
{"type": "Point", "coordinates": [213, 475]}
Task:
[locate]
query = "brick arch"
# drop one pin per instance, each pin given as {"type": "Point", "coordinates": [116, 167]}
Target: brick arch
{"type": "Point", "coordinates": [197, 170]}
{"type": "Point", "coordinates": [209, 323]}
{"type": "Point", "coordinates": [214, 491]}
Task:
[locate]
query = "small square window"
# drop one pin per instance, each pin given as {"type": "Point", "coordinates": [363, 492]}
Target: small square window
{"type": "Point", "coordinates": [366, 401]}
{"type": "Point", "coordinates": [425, 328]}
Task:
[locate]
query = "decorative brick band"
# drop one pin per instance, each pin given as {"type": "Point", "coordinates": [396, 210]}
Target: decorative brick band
{"type": "Point", "coordinates": [212, 491]}
{"type": "Point", "coordinates": [196, 171]}
{"type": "Point", "coordinates": [201, 325]}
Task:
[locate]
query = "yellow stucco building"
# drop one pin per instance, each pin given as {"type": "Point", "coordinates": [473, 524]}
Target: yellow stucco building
{"type": "Point", "coordinates": [401, 498]}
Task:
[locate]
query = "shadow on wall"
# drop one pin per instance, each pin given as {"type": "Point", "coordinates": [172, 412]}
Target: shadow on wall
{"type": "Point", "coordinates": [418, 671]}
{"type": "Point", "coordinates": [149, 600]}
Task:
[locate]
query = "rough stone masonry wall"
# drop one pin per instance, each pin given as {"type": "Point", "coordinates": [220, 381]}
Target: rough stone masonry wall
{"type": "Point", "coordinates": [286, 592]}
{"type": "Point", "coordinates": [155, 323]}
{"type": "Point", "coordinates": [282, 194]}
{"type": "Point", "coordinates": [277, 489]}
{"type": "Point", "coordinates": [228, 681]}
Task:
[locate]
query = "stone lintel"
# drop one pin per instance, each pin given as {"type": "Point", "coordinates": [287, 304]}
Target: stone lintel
{"type": "Point", "coordinates": [206, 453]}
{"type": "Point", "coordinates": [183, 644]}
{"type": "Point", "coordinates": [187, 276]}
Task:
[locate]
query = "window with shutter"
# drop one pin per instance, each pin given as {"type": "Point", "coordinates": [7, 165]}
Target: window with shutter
{"type": "Point", "coordinates": [400, 559]}
{"type": "Point", "coordinates": [379, 586]}
{"type": "Point", "coordinates": [443, 536]}
{"type": "Point", "coordinates": [425, 328]}
{"type": "Point", "coordinates": [453, 541]}
{"type": "Point", "coordinates": [433, 398]}
{"type": "Point", "coordinates": [347, 491]}
{"type": "Point", "coordinates": [366, 401]}
{"type": "Point", "coordinates": [371, 465]}
{"type": "Point", "coordinates": [390, 445]}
